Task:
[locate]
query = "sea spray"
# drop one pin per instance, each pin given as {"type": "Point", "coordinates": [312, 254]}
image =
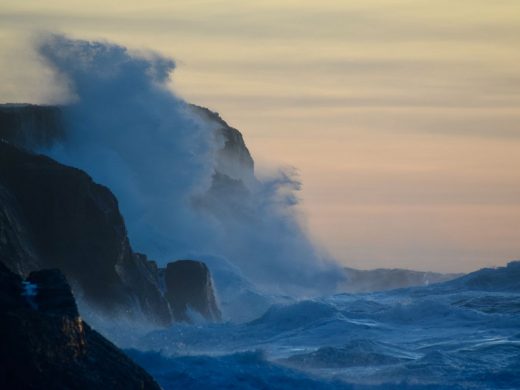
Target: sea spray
{"type": "Point", "coordinates": [132, 133]}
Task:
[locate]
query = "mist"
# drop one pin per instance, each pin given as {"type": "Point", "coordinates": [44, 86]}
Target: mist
{"type": "Point", "coordinates": [132, 133]}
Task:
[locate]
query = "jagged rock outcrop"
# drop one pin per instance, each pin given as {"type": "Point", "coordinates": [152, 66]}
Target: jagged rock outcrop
{"type": "Point", "coordinates": [54, 216]}
{"type": "Point", "coordinates": [233, 159]}
{"type": "Point", "coordinates": [189, 286]}
{"type": "Point", "coordinates": [46, 345]}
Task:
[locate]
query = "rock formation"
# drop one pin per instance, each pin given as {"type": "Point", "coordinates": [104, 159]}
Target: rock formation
{"type": "Point", "coordinates": [189, 286]}
{"type": "Point", "coordinates": [46, 345]}
{"type": "Point", "coordinates": [49, 292]}
{"type": "Point", "coordinates": [36, 127]}
{"type": "Point", "coordinates": [57, 217]}
{"type": "Point", "coordinates": [233, 159]}
{"type": "Point", "coordinates": [31, 126]}
{"type": "Point", "coordinates": [54, 216]}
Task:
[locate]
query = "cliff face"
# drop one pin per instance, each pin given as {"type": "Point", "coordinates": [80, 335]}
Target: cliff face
{"type": "Point", "coordinates": [56, 216]}
{"type": "Point", "coordinates": [189, 286]}
{"type": "Point", "coordinates": [233, 158]}
{"type": "Point", "coordinates": [38, 127]}
{"type": "Point", "coordinates": [34, 127]}
{"type": "Point", "coordinates": [16, 248]}
{"type": "Point", "coordinates": [31, 126]}
{"type": "Point", "coordinates": [46, 345]}
{"type": "Point", "coordinates": [53, 216]}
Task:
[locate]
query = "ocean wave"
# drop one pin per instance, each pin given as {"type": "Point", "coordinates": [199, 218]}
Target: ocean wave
{"type": "Point", "coordinates": [248, 370]}
{"type": "Point", "coordinates": [356, 353]}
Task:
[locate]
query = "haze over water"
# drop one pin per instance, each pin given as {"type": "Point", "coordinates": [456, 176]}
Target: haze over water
{"type": "Point", "coordinates": [401, 116]}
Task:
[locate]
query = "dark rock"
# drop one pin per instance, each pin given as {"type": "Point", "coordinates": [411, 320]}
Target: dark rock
{"type": "Point", "coordinates": [233, 159]}
{"type": "Point", "coordinates": [36, 127]}
{"type": "Point", "coordinates": [189, 285]}
{"type": "Point", "coordinates": [50, 347]}
{"type": "Point", "coordinates": [31, 126]}
{"type": "Point", "coordinates": [55, 216]}
{"type": "Point", "coordinates": [52, 293]}
{"type": "Point", "coordinates": [11, 290]}
{"type": "Point", "coordinates": [16, 249]}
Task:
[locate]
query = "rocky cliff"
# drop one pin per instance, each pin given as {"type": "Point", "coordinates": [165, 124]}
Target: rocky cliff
{"type": "Point", "coordinates": [57, 217]}
{"type": "Point", "coordinates": [35, 127]}
{"type": "Point", "coordinates": [360, 281]}
{"type": "Point", "coordinates": [54, 216]}
{"type": "Point", "coordinates": [46, 345]}
{"type": "Point", "coordinates": [123, 275]}
{"type": "Point", "coordinates": [31, 126]}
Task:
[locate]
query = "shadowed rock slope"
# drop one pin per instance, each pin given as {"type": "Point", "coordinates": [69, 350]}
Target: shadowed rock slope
{"type": "Point", "coordinates": [46, 345]}
{"type": "Point", "coordinates": [53, 216]}
{"type": "Point", "coordinates": [31, 126]}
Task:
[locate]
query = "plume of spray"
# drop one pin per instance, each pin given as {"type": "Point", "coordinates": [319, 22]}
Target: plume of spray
{"type": "Point", "coordinates": [132, 133]}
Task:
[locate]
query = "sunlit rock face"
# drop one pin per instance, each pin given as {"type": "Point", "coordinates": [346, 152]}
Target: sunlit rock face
{"type": "Point", "coordinates": [45, 344]}
{"type": "Point", "coordinates": [57, 217]}
{"type": "Point", "coordinates": [189, 286]}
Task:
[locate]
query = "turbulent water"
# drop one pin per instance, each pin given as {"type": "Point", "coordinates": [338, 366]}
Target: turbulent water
{"type": "Point", "coordinates": [461, 334]}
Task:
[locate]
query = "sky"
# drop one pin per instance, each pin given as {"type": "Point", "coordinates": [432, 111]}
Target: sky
{"type": "Point", "coordinates": [402, 117]}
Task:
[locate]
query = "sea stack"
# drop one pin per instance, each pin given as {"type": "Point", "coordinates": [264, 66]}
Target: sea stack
{"type": "Point", "coordinates": [189, 286]}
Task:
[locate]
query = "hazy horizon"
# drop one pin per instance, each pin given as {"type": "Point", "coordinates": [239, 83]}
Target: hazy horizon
{"type": "Point", "coordinates": [402, 118]}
